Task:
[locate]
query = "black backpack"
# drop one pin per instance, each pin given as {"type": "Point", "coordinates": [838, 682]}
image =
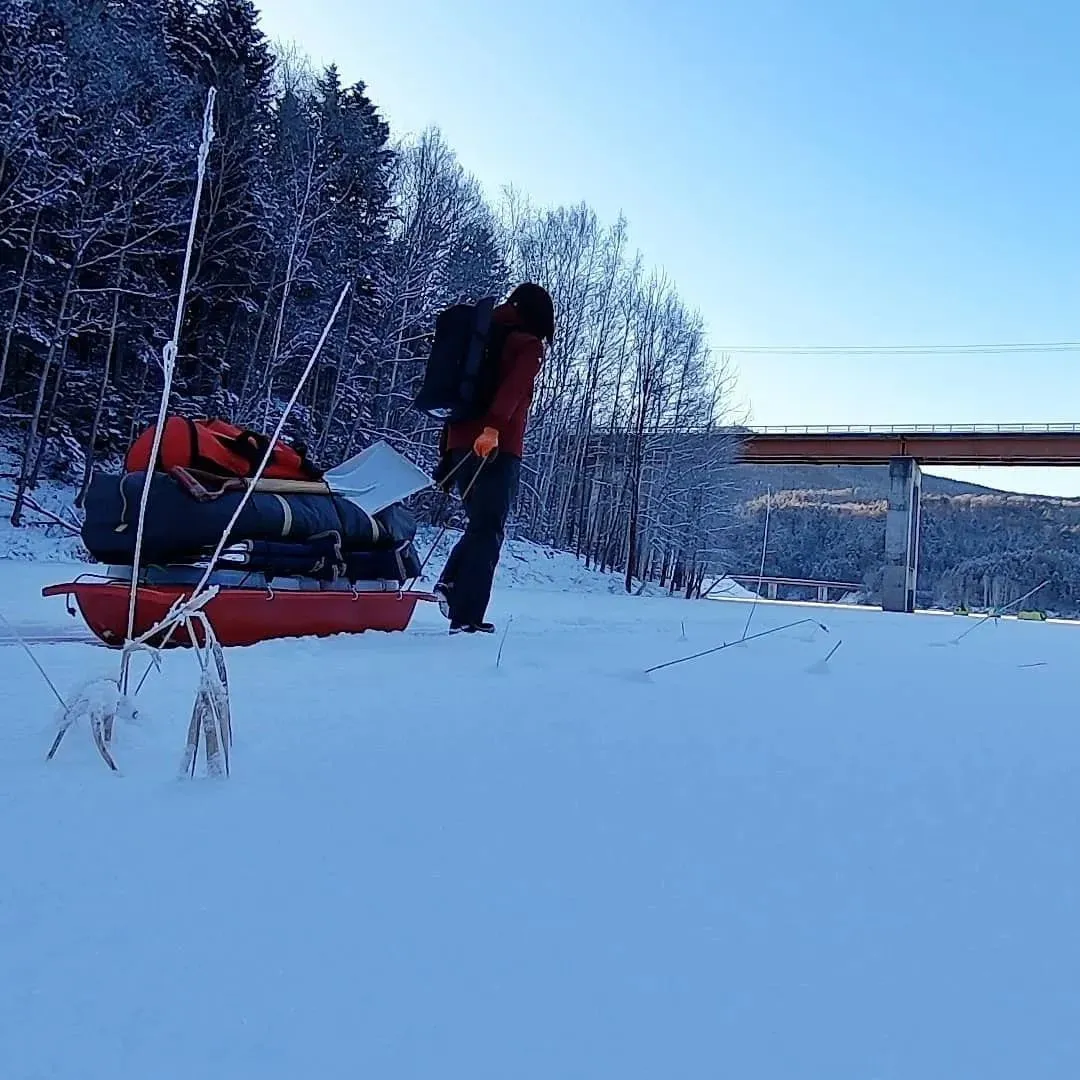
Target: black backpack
{"type": "Point", "coordinates": [462, 371]}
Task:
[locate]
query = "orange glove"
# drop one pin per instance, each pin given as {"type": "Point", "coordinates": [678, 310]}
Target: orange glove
{"type": "Point", "coordinates": [486, 443]}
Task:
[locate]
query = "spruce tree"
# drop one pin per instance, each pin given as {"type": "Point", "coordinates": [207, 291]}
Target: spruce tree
{"type": "Point", "coordinates": [220, 44]}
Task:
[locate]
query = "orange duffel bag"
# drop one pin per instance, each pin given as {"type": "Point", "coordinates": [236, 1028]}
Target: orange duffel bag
{"type": "Point", "coordinates": [218, 448]}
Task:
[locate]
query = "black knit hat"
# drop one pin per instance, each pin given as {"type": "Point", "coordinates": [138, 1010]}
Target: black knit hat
{"type": "Point", "coordinates": [536, 309]}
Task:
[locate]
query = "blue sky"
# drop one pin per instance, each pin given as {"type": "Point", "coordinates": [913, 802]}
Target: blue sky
{"type": "Point", "coordinates": [829, 173]}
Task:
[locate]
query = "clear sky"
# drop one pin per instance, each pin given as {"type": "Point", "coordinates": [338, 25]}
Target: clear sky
{"type": "Point", "coordinates": [838, 172]}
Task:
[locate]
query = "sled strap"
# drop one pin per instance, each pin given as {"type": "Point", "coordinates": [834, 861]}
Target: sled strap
{"type": "Point", "coordinates": [205, 487]}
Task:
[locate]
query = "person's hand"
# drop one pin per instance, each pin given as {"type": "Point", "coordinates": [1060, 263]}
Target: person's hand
{"type": "Point", "coordinates": [486, 443]}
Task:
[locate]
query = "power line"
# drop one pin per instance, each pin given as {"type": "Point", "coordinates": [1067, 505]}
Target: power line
{"type": "Point", "coordinates": [906, 350]}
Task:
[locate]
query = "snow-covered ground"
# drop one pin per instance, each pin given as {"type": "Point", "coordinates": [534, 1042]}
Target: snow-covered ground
{"type": "Point", "coordinates": [38, 539]}
{"type": "Point", "coordinates": [429, 865]}
{"type": "Point", "coordinates": [432, 863]}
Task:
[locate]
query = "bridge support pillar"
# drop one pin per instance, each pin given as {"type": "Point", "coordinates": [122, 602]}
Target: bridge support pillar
{"type": "Point", "coordinates": [773, 590]}
{"type": "Point", "coordinates": [902, 527]}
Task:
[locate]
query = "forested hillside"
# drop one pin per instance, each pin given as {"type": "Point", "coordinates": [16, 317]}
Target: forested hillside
{"type": "Point", "coordinates": [101, 106]}
{"type": "Point", "coordinates": [979, 547]}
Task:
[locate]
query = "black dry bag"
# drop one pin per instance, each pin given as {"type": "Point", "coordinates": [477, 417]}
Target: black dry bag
{"type": "Point", "coordinates": [462, 370]}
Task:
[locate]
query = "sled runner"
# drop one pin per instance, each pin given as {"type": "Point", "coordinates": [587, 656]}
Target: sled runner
{"type": "Point", "coordinates": [244, 614]}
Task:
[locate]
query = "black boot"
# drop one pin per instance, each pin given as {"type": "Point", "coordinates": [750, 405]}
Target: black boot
{"type": "Point", "coordinates": [472, 628]}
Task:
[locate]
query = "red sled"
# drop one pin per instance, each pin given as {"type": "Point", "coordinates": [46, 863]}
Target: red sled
{"type": "Point", "coordinates": [239, 616]}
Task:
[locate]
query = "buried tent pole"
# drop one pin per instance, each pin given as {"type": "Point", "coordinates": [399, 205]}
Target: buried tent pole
{"type": "Point", "coordinates": [268, 453]}
{"type": "Point", "coordinates": [761, 570]}
{"type": "Point", "coordinates": [34, 660]}
{"type": "Point", "coordinates": [101, 725]}
{"type": "Point", "coordinates": [211, 710]}
{"type": "Point", "coordinates": [502, 644]}
{"type": "Point", "coordinates": [203, 593]}
{"type": "Point", "coordinates": [98, 718]}
{"type": "Point", "coordinates": [442, 510]}
{"type": "Point", "coordinates": [822, 666]}
{"type": "Point", "coordinates": [732, 644]}
{"type": "Point", "coordinates": [168, 360]}
{"type": "Point", "coordinates": [998, 612]}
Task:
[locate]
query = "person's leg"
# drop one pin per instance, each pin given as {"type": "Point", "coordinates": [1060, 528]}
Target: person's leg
{"type": "Point", "coordinates": [487, 505]}
{"type": "Point", "coordinates": [462, 473]}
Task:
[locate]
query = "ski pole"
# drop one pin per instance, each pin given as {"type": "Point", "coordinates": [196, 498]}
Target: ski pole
{"type": "Point", "coordinates": [446, 501]}
{"type": "Point", "coordinates": [998, 612]}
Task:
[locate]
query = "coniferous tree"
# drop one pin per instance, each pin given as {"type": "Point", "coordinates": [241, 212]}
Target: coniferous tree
{"type": "Point", "coordinates": [218, 43]}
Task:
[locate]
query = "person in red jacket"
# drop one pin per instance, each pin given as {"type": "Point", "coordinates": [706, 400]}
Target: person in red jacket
{"type": "Point", "coordinates": [489, 482]}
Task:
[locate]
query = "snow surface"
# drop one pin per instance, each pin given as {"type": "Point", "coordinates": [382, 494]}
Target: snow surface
{"type": "Point", "coordinates": [428, 865]}
{"type": "Point", "coordinates": [37, 540]}
{"type": "Point", "coordinates": [433, 863]}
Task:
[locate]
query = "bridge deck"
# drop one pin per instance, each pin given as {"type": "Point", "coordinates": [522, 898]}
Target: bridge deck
{"type": "Point", "coordinates": [1018, 444]}
{"type": "Point", "coordinates": [753, 579]}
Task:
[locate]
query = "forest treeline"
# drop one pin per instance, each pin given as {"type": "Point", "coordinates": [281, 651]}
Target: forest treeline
{"type": "Point", "coordinates": [101, 108]}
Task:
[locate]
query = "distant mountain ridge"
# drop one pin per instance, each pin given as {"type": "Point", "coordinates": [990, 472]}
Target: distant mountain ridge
{"type": "Point", "coordinates": [980, 546]}
{"type": "Point", "coordinates": [870, 481]}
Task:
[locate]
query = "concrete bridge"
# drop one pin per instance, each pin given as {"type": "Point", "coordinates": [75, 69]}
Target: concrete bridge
{"type": "Point", "coordinates": [773, 585]}
{"type": "Point", "coordinates": [959, 444]}
{"type": "Point", "coordinates": [904, 449]}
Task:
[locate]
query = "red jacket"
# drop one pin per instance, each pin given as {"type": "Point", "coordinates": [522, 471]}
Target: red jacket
{"type": "Point", "coordinates": [509, 412]}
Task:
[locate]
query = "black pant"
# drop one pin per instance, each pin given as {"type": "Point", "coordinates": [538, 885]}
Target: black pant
{"type": "Point", "coordinates": [470, 570]}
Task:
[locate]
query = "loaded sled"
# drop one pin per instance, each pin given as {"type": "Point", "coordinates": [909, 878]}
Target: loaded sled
{"type": "Point", "coordinates": [309, 555]}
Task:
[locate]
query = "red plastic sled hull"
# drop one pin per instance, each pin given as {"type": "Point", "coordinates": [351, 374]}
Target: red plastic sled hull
{"type": "Point", "coordinates": [240, 616]}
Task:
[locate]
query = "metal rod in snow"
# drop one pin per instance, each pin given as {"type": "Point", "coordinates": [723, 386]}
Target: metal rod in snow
{"type": "Point", "coordinates": [168, 356]}
{"type": "Point", "coordinates": [832, 651]}
{"type": "Point", "coordinates": [997, 612]}
{"type": "Point", "coordinates": [446, 525]}
{"type": "Point", "coordinates": [761, 569]}
{"type": "Point", "coordinates": [33, 659]}
{"type": "Point", "coordinates": [196, 597]}
{"type": "Point", "coordinates": [1027, 596]}
{"type": "Point", "coordinates": [502, 644]}
{"type": "Point", "coordinates": [732, 644]}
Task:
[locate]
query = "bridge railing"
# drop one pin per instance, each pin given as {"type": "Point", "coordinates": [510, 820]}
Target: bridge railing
{"type": "Point", "coordinates": [753, 579]}
{"type": "Point", "coordinates": [917, 429]}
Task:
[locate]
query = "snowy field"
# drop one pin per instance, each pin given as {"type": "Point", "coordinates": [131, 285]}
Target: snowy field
{"type": "Point", "coordinates": [429, 866]}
